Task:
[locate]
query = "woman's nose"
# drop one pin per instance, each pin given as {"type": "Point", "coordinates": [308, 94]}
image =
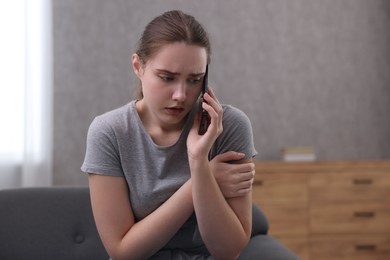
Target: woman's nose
{"type": "Point", "coordinates": [179, 92]}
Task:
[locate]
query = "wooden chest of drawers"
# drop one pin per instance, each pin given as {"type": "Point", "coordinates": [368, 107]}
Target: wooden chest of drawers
{"type": "Point", "coordinates": [283, 196]}
{"type": "Point", "coordinates": [327, 210]}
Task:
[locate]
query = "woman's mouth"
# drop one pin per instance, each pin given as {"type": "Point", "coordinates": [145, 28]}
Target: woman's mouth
{"type": "Point", "coordinates": [174, 110]}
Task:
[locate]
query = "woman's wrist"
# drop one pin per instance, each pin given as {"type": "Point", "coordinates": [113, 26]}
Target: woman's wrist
{"type": "Point", "coordinates": [197, 157]}
{"type": "Point", "coordinates": [198, 162]}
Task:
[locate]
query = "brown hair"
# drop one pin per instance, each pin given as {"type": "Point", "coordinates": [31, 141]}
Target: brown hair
{"type": "Point", "coordinates": [170, 27]}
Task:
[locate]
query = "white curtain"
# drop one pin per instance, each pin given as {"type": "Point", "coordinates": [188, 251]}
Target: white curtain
{"type": "Point", "coordinates": [26, 94]}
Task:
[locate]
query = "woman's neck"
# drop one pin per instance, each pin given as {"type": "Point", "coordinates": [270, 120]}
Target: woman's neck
{"type": "Point", "coordinates": [161, 134]}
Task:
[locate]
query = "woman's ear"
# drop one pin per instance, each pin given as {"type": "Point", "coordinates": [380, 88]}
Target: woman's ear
{"type": "Point", "coordinates": [137, 65]}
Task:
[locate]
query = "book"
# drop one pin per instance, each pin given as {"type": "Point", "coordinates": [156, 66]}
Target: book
{"type": "Point", "coordinates": [298, 154]}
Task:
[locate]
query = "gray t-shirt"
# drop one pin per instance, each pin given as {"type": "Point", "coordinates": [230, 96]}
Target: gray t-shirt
{"type": "Point", "coordinates": [119, 145]}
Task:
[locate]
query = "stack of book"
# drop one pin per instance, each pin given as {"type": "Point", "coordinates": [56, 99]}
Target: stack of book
{"type": "Point", "coordinates": [298, 154]}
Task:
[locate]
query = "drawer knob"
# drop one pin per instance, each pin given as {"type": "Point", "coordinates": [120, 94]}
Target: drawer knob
{"type": "Point", "coordinates": [364, 214]}
{"type": "Point", "coordinates": [365, 248]}
{"type": "Point", "coordinates": [258, 182]}
{"type": "Point", "coordinates": [362, 181]}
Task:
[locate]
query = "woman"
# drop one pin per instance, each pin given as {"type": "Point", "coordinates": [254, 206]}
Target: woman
{"type": "Point", "coordinates": [159, 190]}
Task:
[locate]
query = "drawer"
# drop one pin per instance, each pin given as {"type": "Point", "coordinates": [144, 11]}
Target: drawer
{"type": "Point", "coordinates": [298, 244]}
{"type": "Point", "coordinates": [350, 247]}
{"type": "Point", "coordinates": [350, 217]}
{"type": "Point", "coordinates": [350, 185]}
{"type": "Point", "coordinates": [286, 218]}
{"type": "Point", "coordinates": [280, 186]}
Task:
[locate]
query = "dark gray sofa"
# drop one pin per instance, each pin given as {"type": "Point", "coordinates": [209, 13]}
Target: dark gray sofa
{"type": "Point", "coordinates": [56, 223]}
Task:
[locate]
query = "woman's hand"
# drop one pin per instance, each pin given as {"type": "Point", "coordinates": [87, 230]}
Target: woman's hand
{"type": "Point", "coordinates": [234, 179]}
{"type": "Point", "coordinates": [198, 146]}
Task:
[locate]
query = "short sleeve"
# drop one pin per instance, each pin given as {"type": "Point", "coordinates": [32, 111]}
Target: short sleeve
{"type": "Point", "coordinates": [237, 134]}
{"type": "Point", "coordinates": [102, 153]}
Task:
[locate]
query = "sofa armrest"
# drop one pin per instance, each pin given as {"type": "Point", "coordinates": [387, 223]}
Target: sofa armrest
{"type": "Point", "coordinates": [259, 222]}
{"type": "Point", "coordinates": [48, 223]}
{"type": "Point", "coordinates": [265, 247]}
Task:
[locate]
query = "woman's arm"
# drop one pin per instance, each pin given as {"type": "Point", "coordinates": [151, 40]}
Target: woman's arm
{"type": "Point", "coordinates": [225, 224]}
{"type": "Point", "coordinates": [114, 217]}
{"type": "Point", "coordinates": [124, 238]}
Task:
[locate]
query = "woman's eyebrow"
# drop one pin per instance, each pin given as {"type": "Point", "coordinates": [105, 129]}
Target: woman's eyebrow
{"type": "Point", "coordinates": [177, 73]}
{"type": "Point", "coordinates": [167, 72]}
{"type": "Point", "coordinates": [197, 74]}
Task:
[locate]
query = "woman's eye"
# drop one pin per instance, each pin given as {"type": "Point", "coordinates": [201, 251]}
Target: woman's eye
{"type": "Point", "coordinates": [195, 81]}
{"type": "Point", "coordinates": [166, 78]}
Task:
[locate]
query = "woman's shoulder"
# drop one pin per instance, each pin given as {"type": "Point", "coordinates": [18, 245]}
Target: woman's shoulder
{"type": "Point", "coordinates": [113, 119]}
{"type": "Point", "coordinates": [117, 113]}
{"type": "Point", "coordinates": [237, 134]}
{"type": "Point", "coordinates": [233, 114]}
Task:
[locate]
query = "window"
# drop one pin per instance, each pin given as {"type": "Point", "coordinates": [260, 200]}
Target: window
{"type": "Point", "coordinates": [25, 94]}
{"type": "Point", "coordinates": [12, 67]}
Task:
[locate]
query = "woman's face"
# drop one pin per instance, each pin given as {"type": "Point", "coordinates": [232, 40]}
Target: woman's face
{"type": "Point", "coordinates": [171, 82]}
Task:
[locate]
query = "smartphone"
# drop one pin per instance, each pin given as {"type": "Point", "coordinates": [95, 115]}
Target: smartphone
{"type": "Point", "coordinates": [204, 116]}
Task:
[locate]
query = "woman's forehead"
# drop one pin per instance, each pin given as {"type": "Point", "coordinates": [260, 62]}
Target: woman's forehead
{"type": "Point", "coordinates": [178, 56]}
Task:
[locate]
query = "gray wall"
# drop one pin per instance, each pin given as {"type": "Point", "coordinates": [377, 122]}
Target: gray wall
{"type": "Point", "coordinates": [306, 72]}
